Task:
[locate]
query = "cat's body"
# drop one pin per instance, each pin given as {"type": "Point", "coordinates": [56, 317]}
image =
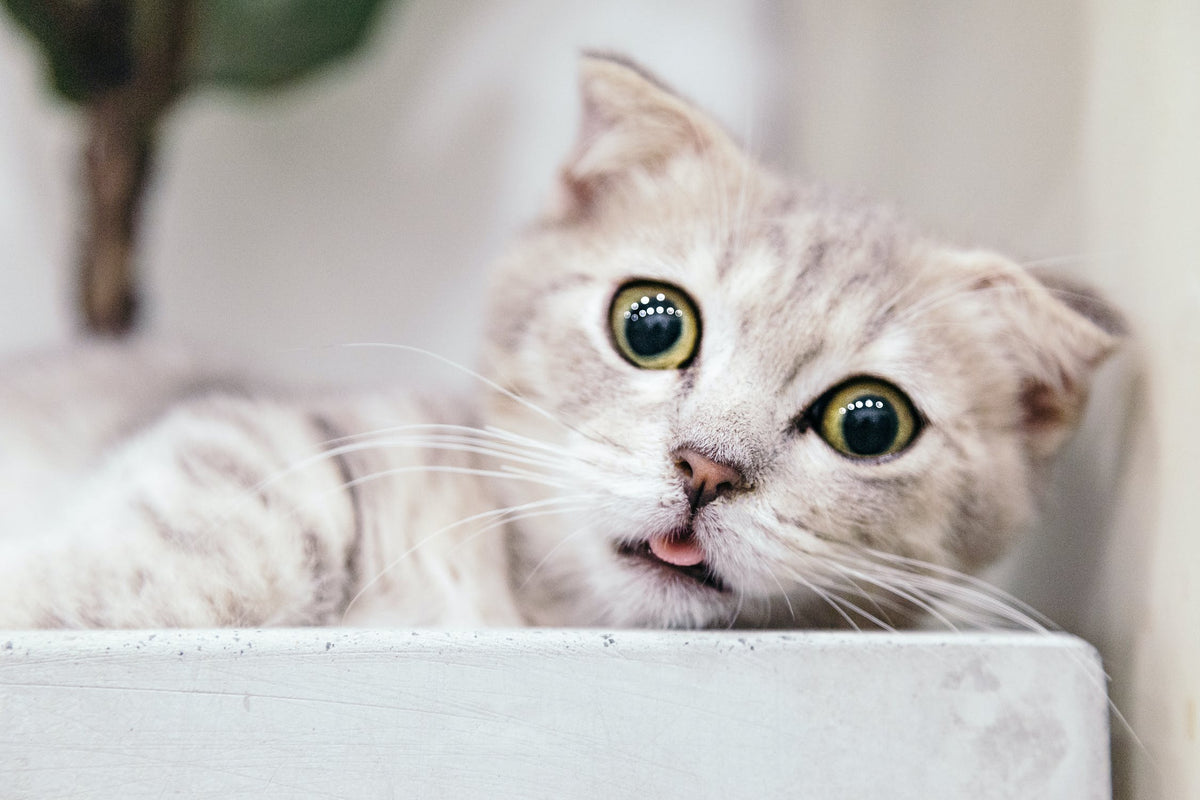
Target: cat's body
{"type": "Point", "coordinates": [671, 428]}
{"type": "Point", "coordinates": [191, 499]}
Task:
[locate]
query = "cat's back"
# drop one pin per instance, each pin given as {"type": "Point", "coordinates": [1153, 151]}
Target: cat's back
{"type": "Point", "coordinates": [66, 403]}
{"type": "Point", "coordinates": [61, 410]}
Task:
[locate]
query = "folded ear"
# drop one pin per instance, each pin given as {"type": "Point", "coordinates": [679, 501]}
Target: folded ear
{"type": "Point", "coordinates": [1055, 332]}
{"type": "Point", "coordinates": [631, 123]}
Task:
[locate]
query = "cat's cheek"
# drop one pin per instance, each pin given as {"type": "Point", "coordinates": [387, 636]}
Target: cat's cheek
{"type": "Point", "coordinates": [994, 503]}
{"type": "Point", "coordinates": [889, 504]}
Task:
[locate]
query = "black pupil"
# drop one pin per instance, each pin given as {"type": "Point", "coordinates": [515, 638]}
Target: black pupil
{"type": "Point", "coordinates": [653, 327]}
{"type": "Point", "coordinates": [869, 425]}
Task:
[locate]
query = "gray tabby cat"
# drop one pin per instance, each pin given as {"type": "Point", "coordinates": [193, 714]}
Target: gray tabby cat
{"type": "Point", "coordinates": [711, 398]}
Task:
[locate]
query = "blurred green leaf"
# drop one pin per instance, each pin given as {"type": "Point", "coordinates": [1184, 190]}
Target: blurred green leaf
{"type": "Point", "coordinates": [259, 44]}
{"type": "Point", "coordinates": [94, 45]}
{"type": "Point", "coordinates": [128, 61]}
{"type": "Point", "coordinates": [86, 44]}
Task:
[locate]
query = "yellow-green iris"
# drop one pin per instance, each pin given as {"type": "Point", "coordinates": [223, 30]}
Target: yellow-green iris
{"type": "Point", "coordinates": [867, 418]}
{"type": "Point", "coordinates": [654, 325]}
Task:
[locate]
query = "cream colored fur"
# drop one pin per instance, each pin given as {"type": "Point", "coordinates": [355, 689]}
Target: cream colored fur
{"type": "Point", "coordinates": [184, 500]}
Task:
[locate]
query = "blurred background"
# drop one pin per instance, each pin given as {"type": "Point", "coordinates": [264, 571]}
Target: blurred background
{"type": "Point", "coordinates": [364, 203]}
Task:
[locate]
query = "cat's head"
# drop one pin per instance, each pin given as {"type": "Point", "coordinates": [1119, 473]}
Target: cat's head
{"type": "Point", "coordinates": [753, 395]}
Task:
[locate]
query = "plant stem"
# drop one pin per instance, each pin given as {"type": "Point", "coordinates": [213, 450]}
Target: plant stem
{"type": "Point", "coordinates": [117, 159]}
{"type": "Point", "coordinates": [115, 166]}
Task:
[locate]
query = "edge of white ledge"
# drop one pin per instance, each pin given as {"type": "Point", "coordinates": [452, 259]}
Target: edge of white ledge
{"type": "Point", "coordinates": [227, 640]}
{"type": "Point", "coordinates": [534, 713]}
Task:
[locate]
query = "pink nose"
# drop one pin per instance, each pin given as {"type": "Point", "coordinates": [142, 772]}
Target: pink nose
{"type": "Point", "coordinates": [704, 479]}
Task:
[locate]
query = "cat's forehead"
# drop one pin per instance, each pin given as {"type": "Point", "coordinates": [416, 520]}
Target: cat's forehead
{"type": "Point", "coordinates": [787, 275]}
{"type": "Point", "coordinates": [757, 232]}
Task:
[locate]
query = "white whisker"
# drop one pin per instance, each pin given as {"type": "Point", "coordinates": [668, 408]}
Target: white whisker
{"type": "Point", "coordinates": [496, 516]}
{"type": "Point", "coordinates": [786, 599]}
{"type": "Point", "coordinates": [908, 593]}
{"type": "Point", "coordinates": [548, 555]}
{"type": "Point", "coordinates": [451, 470]}
{"type": "Point", "coordinates": [488, 382]}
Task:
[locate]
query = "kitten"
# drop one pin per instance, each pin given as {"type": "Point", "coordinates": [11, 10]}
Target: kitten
{"type": "Point", "coordinates": [710, 398]}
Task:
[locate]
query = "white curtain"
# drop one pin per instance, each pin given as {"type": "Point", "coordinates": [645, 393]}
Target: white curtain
{"type": "Point", "coordinates": [1142, 194]}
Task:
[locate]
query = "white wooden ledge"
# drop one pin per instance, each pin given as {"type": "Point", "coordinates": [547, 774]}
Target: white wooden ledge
{"type": "Point", "coordinates": [551, 714]}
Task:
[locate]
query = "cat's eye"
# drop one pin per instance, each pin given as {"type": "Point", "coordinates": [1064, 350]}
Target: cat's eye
{"type": "Point", "coordinates": [866, 418]}
{"type": "Point", "coordinates": [654, 325]}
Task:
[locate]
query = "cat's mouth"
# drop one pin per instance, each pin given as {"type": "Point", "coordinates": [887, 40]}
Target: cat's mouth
{"type": "Point", "coordinates": [666, 555]}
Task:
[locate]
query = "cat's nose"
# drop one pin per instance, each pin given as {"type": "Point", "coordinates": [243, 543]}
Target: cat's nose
{"type": "Point", "coordinates": [705, 479]}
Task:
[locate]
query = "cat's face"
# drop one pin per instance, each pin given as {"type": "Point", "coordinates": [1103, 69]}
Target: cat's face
{"type": "Point", "coordinates": [756, 397]}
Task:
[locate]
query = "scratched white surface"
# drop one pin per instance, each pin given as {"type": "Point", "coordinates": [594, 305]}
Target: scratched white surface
{"type": "Point", "coordinates": [550, 714]}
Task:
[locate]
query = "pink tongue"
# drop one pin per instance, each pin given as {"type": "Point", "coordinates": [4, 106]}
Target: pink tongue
{"type": "Point", "coordinates": [680, 552]}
